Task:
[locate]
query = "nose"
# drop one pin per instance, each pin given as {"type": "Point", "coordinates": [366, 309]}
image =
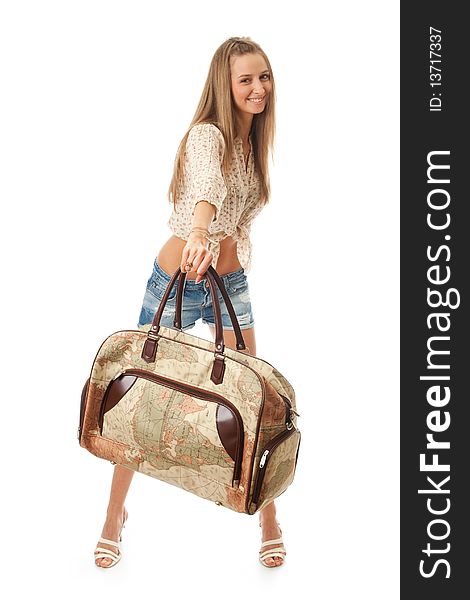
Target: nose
{"type": "Point", "coordinates": [258, 87]}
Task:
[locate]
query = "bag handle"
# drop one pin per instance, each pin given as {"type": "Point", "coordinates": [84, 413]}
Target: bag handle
{"type": "Point", "coordinates": [150, 346]}
{"type": "Point", "coordinates": [228, 303]}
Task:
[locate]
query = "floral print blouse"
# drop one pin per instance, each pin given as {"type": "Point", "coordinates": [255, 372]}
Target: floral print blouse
{"type": "Point", "coordinates": [237, 200]}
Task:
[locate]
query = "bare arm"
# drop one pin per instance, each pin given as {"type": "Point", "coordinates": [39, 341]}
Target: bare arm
{"type": "Point", "coordinates": [195, 251]}
{"type": "Point", "coordinates": [203, 214]}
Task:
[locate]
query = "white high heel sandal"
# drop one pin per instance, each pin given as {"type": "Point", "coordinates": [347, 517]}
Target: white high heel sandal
{"type": "Point", "coordinates": [279, 552]}
{"type": "Point", "coordinates": [101, 552]}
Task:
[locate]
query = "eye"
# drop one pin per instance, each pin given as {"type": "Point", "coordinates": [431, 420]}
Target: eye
{"type": "Point", "coordinates": [267, 76]}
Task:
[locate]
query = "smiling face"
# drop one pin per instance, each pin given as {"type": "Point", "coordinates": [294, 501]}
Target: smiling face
{"type": "Point", "coordinates": [251, 84]}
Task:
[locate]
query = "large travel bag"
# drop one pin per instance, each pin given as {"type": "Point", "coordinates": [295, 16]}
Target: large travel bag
{"type": "Point", "coordinates": [216, 422]}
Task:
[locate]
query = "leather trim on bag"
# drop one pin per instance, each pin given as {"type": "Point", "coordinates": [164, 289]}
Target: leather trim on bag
{"type": "Point", "coordinates": [218, 369]}
{"type": "Point", "coordinates": [149, 350]}
{"type": "Point", "coordinates": [227, 430]}
{"type": "Point", "coordinates": [82, 408]}
{"type": "Point", "coordinates": [115, 391]}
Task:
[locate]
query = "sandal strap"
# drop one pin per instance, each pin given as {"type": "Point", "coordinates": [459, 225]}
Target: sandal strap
{"type": "Point", "coordinates": [105, 553]}
{"type": "Point", "coordinates": [112, 542]}
{"type": "Point", "coordinates": [268, 542]}
{"type": "Point", "coordinates": [114, 561]}
{"type": "Point", "coordinates": [270, 553]}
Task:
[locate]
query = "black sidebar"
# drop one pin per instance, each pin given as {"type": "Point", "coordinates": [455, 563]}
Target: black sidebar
{"type": "Point", "coordinates": [435, 299]}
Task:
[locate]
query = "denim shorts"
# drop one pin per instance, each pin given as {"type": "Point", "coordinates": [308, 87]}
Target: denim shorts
{"type": "Point", "coordinates": [197, 300]}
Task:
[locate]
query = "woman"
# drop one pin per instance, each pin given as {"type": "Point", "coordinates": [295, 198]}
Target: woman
{"type": "Point", "coordinates": [220, 183]}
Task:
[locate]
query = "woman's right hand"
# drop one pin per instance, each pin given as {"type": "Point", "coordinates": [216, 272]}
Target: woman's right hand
{"type": "Point", "coordinates": [195, 252]}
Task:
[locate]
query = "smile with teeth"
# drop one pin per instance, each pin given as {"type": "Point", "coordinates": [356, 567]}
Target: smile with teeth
{"type": "Point", "coordinates": [256, 100]}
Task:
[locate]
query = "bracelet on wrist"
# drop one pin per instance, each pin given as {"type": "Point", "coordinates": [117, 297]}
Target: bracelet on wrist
{"type": "Point", "coordinates": [199, 232]}
{"type": "Point", "coordinates": [200, 229]}
{"type": "Point", "coordinates": [197, 237]}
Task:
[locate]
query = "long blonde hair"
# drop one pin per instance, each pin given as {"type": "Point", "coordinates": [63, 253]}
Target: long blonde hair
{"type": "Point", "coordinates": [216, 106]}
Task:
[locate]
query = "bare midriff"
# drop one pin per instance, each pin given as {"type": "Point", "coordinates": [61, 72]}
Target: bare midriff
{"type": "Point", "coordinates": [169, 257]}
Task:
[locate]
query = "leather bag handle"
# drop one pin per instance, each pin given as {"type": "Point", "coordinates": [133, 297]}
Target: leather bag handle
{"type": "Point", "coordinates": [228, 303]}
{"type": "Point", "coordinates": [150, 346]}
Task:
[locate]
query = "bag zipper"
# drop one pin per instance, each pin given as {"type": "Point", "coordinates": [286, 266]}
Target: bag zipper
{"type": "Point", "coordinates": [272, 445]}
{"type": "Point", "coordinates": [289, 410]}
{"type": "Point", "coordinates": [193, 391]}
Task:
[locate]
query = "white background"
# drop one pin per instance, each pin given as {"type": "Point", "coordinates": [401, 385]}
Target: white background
{"type": "Point", "coordinates": [96, 96]}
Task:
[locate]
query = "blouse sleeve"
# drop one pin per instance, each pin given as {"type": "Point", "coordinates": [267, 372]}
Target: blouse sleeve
{"type": "Point", "coordinates": [204, 153]}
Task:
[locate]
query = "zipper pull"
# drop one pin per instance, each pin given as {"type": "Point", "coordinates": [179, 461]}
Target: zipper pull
{"type": "Point", "coordinates": [263, 459]}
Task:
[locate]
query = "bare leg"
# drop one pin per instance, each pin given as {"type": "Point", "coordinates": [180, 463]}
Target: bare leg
{"type": "Point", "coordinates": [116, 513]}
{"type": "Point", "coordinates": [271, 531]}
{"type": "Point", "coordinates": [267, 515]}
